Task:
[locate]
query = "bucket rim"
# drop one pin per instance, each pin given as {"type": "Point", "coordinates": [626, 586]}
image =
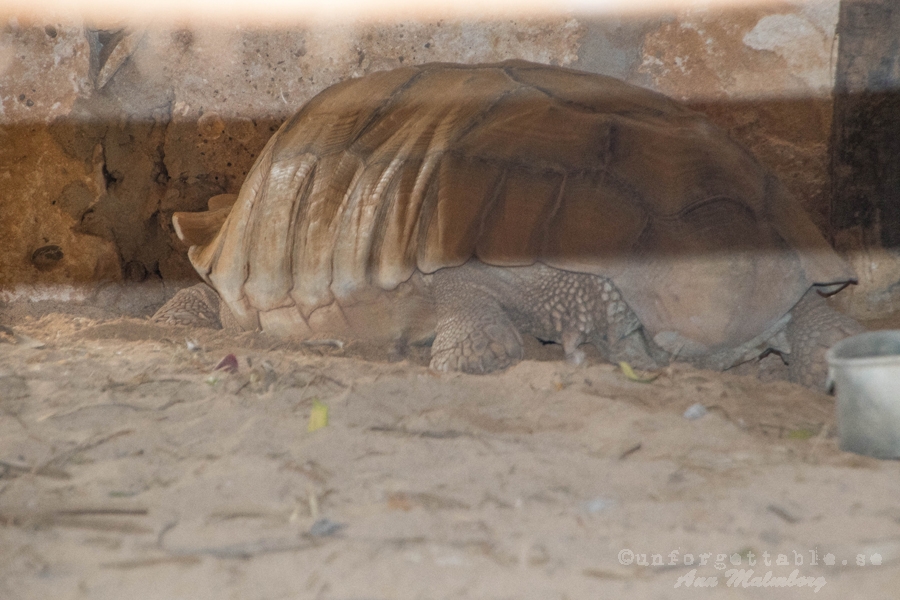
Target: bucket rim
{"type": "Point", "coordinates": [834, 360]}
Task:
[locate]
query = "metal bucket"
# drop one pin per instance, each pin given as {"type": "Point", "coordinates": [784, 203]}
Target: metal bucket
{"type": "Point", "coordinates": [865, 370]}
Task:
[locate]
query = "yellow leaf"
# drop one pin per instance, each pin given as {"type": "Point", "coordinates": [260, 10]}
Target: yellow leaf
{"type": "Point", "coordinates": [318, 416]}
{"type": "Point", "coordinates": [630, 374]}
{"type": "Point", "coordinates": [800, 434]}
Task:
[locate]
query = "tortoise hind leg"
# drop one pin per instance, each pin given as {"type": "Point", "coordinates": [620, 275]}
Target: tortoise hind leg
{"type": "Point", "coordinates": [815, 327]}
{"type": "Point", "coordinates": [195, 306]}
{"type": "Point", "coordinates": [473, 334]}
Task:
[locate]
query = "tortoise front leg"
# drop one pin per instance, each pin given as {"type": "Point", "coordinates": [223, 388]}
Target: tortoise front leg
{"type": "Point", "coordinates": [815, 327]}
{"type": "Point", "coordinates": [473, 334]}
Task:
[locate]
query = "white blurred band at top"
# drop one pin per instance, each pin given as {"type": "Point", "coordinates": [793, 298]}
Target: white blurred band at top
{"type": "Point", "coordinates": [276, 13]}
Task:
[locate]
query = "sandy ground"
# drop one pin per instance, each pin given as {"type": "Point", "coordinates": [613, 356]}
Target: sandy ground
{"type": "Point", "coordinates": [131, 469]}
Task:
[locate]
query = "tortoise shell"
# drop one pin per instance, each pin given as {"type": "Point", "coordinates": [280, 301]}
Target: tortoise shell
{"type": "Point", "coordinates": [427, 167]}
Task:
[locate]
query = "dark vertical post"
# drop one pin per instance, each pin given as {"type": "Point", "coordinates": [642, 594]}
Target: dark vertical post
{"type": "Point", "coordinates": [865, 144]}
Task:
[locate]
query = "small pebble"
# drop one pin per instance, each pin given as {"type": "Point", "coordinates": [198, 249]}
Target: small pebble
{"type": "Point", "coordinates": [695, 411]}
{"type": "Point", "coordinates": [597, 505]}
{"type": "Point", "coordinates": [325, 527]}
{"type": "Point", "coordinates": [339, 344]}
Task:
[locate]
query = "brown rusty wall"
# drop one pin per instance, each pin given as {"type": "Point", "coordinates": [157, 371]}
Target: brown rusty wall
{"type": "Point", "coordinates": [106, 132]}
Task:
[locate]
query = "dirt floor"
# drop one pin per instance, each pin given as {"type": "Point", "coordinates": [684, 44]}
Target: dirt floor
{"type": "Point", "coordinates": [130, 468]}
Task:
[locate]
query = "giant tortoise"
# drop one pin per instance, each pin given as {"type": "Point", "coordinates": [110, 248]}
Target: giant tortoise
{"type": "Point", "coordinates": [468, 205]}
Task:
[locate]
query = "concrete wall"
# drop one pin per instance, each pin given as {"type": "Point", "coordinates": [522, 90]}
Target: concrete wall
{"type": "Point", "coordinates": [104, 133]}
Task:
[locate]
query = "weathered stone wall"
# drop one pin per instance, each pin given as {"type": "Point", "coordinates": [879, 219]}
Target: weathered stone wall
{"type": "Point", "coordinates": [103, 134]}
{"type": "Point", "coordinates": [865, 153]}
{"type": "Point", "coordinates": [766, 75]}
